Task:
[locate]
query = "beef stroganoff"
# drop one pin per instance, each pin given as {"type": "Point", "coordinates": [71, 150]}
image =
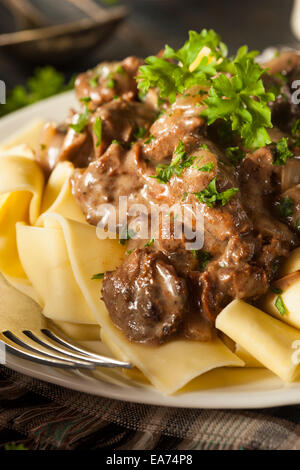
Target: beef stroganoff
{"type": "Point", "coordinates": [214, 136]}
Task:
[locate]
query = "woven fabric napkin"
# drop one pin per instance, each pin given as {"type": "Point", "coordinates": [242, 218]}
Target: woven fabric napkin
{"type": "Point", "coordinates": [47, 416]}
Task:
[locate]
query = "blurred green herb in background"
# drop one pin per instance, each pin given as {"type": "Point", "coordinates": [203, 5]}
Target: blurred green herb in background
{"type": "Point", "coordinates": [109, 2]}
{"type": "Point", "coordinates": [45, 82]}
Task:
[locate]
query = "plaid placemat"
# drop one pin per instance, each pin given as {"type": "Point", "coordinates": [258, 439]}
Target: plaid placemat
{"type": "Point", "coordinates": [46, 416]}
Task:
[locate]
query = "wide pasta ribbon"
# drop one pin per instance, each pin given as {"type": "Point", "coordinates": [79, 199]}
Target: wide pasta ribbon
{"type": "Point", "coordinates": [169, 366]}
{"type": "Point", "coordinates": [60, 252]}
{"type": "Point", "coordinates": [21, 188]}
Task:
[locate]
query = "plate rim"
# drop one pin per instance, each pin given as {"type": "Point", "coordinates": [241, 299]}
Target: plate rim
{"type": "Point", "coordinates": [282, 396]}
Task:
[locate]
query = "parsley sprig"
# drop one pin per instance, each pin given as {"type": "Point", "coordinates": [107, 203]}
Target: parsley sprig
{"type": "Point", "coordinates": [241, 100]}
{"type": "Point", "coordinates": [236, 93]}
{"type": "Point", "coordinates": [212, 197]}
{"type": "Point", "coordinates": [172, 74]}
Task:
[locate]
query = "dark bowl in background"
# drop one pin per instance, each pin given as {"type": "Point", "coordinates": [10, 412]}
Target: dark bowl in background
{"type": "Point", "coordinates": [63, 41]}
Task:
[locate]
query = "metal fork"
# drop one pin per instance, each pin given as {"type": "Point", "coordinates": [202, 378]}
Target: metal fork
{"type": "Point", "coordinates": [48, 348]}
{"type": "Point", "coordinates": [38, 342]}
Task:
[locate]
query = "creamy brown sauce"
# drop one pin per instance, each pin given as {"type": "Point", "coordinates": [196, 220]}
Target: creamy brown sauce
{"type": "Point", "coordinates": [163, 290]}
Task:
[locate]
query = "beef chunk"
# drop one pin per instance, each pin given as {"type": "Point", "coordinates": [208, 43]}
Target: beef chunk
{"type": "Point", "coordinates": [120, 121]}
{"type": "Point", "coordinates": [106, 179]}
{"type": "Point", "coordinates": [181, 121]}
{"type": "Point", "coordinates": [108, 80]}
{"type": "Point", "coordinates": [145, 297]}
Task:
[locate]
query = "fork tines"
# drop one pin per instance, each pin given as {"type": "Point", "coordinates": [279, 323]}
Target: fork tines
{"type": "Point", "coordinates": [48, 348]}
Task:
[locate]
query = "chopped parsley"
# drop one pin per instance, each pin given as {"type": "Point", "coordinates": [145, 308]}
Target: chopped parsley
{"type": "Point", "coordinates": [110, 82]}
{"type": "Point", "coordinates": [149, 243]}
{"type": "Point", "coordinates": [83, 119]}
{"type": "Point", "coordinates": [212, 197]}
{"type": "Point", "coordinates": [98, 276]}
{"type": "Point", "coordinates": [140, 132]}
{"type": "Point", "coordinates": [295, 131]}
{"type": "Point", "coordinates": [98, 130]}
{"type": "Point", "coordinates": [286, 206]}
{"type": "Point", "coordinates": [120, 70]}
{"type": "Point", "coordinates": [297, 224]}
{"type": "Point", "coordinates": [206, 168]}
{"type": "Point", "coordinates": [180, 162]}
{"type": "Point", "coordinates": [126, 235]}
{"type": "Point", "coordinates": [43, 147]}
{"type": "Point", "coordinates": [94, 81]}
{"type": "Point", "coordinates": [203, 257]}
{"type": "Point", "coordinates": [235, 155]}
{"type": "Point", "coordinates": [279, 304]}
{"type": "Point", "coordinates": [296, 128]}
{"type": "Point", "coordinates": [282, 152]}
{"type": "Point", "coordinates": [86, 99]}
{"type": "Point", "coordinates": [150, 139]}
{"type": "Point", "coordinates": [276, 290]}
{"type": "Point", "coordinates": [185, 195]}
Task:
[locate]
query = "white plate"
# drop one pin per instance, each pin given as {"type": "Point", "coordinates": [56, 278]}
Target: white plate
{"type": "Point", "coordinates": [224, 388]}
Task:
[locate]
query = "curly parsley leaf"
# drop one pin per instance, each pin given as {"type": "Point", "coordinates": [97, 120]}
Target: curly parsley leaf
{"type": "Point", "coordinates": [282, 152]}
{"type": "Point", "coordinates": [242, 100]}
{"type": "Point", "coordinates": [212, 197]}
{"type": "Point", "coordinates": [176, 76]}
{"type": "Point", "coordinates": [196, 42]}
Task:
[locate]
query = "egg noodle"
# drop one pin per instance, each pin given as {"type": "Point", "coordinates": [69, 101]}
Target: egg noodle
{"type": "Point", "coordinates": [49, 252]}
